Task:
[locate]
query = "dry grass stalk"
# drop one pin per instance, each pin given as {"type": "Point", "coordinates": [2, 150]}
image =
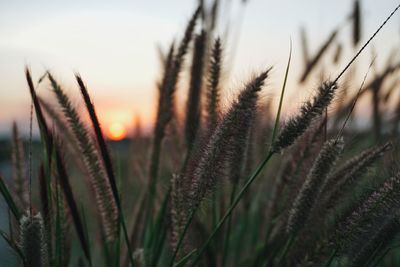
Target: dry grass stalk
{"type": "Point", "coordinates": [356, 22]}
{"type": "Point", "coordinates": [193, 105]}
{"type": "Point", "coordinates": [98, 178]}
{"type": "Point", "coordinates": [166, 108]}
{"type": "Point", "coordinates": [18, 169]}
{"type": "Point", "coordinates": [380, 239]}
{"type": "Point", "coordinates": [316, 59]}
{"type": "Point", "coordinates": [168, 87]}
{"type": "Point", "coordinates": [213, 86]}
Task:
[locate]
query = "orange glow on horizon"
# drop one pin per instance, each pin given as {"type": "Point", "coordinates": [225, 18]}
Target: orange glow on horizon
{"type": "Point", "coordinates": [117, 131]}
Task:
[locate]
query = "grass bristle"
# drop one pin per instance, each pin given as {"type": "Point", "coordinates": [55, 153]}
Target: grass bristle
{"type": "Point", "coordinates": [33, 240]}
{"type": "Point", "coordinates": [104, 197]}
{"type": "Point", "coordinates": [309, 192]}
{"type": "Point", "coordinates": [297, 125]}
{"type": "Point", "coordinates": [209, 166]}
{"type": "Point", "coordinates": [193, 106]}
{"type": "Point", "coordinates": [19, 172]}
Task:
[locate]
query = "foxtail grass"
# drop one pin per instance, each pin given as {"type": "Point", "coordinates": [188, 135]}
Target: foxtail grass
{"type": "Point", "coordinates": [341, 180]}
{"type": "Point", "coordinates": [19, 172]}
{"type": "Point", "coordinates": [309, 192]}
{"type": "Point", "coordinates": [382, 201]}
{"type": "Point", "coordinates": [193, 106]}
{"type": "Point", "coordinates": [380, 240]}
{"type": "Point", "coordinates": [213, 86]}
{"type": "Point", "coordinates": [104, 197]}
{"type": "Point", "coordinates": [166, 108]}
{"type": "Point", "coordinates": [105, 154]}
{"type": "Point", "coordinates": [208, 167]}
{"type": "Point", "coordinates": [33, 240]}
{"type": "Point", "coordinates": [297, 125]}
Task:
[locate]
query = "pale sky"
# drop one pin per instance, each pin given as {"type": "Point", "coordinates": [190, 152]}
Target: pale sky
{"type": "Point", "coordinates": [112, 44]}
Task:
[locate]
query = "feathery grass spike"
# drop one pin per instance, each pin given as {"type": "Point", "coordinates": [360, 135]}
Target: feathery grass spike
{"type": "Point", "coordinates": [104, 197]}
{"type": "Point", "coordinates": [105, 156]}
{"type": "Point", "coordinates": [380, 203]}
{"type": "Point", "coordinates": [309, 192]}
{"type": "Point", "coordinates": [193, 106]}
{"type": "Point", "coordinates": [18, 164]}
{"type": "Point", "coordinates": [346, 175]}
{"type": "Point", "coordinates": [33, 241]}
{"type": "Point", "coordinates": [213, 85]}
{"type": "Point", "coordinates": [296, 126]}
{"type": "Point", "coordinates": [210, 164]}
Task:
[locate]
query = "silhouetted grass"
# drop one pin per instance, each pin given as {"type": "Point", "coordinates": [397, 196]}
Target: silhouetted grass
{"type": "Point", "coordinates": [312, 200]}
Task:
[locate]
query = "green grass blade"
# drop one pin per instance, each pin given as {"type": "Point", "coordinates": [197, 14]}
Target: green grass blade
{"type": "Point", "coordinates": [58, 231]}
{"type": "Point", "coordinates": [278, 113]}
{"type": "Point", "coordinates": [160, 230]}
{"type": "Point", "coordinates": [9, 199]}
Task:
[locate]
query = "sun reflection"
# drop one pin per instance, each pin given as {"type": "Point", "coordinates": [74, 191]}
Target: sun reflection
{"type": "Point", "coordinates": [117, 131]}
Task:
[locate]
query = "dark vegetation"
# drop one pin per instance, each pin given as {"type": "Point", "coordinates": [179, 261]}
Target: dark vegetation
{"type": "Point", "coordinates": [222, 187]}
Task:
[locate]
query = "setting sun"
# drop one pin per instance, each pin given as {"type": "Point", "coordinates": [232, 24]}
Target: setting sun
{"type": "Point", "coordinates": [117, 131]}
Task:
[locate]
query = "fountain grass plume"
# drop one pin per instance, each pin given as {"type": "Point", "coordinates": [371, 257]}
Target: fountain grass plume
{"type": "Point", "coordinates": [18, 168]}
{"type": "Point", "coordinates": [166, 105]}
{"type": "Point", "coordinates": [104, 197]}
{"type": "Point", "coordinates": [33, 240]}
{"type": "Point", "coordinates": [193, 105]}
{"type": "Point", "coordinates": [382, 201]}
{"type": "Point", "coordinates": [213, 86]}
{"type": "Point", "coordinates": [353, 169]}
{"type": "Point", "coordinates": [209, 166]}
{"type": "Point", "coordinates": [203, 170]}
{"type": "Point", "coordinates": [375, 242]}
{"type": "Point", "coordinates": [309, 192]}
{"type": "Point", "coordinates": [310, 110]}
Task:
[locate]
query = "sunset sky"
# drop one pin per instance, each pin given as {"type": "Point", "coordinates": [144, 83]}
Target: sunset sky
{"type": "Point", "coordinates": [113, 45]}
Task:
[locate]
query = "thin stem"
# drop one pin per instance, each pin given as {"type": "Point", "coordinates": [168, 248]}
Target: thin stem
{"type": "Point", "coordinates": [353, 105]}
{"type": "Point", "coordinates": [365, 45]}
{"type": "Point", "coordinates": [30, 159]}
{"type": "Point", "coordinates": [278, 114]}
{"type": "Point", "coordinates": [126, 236]}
